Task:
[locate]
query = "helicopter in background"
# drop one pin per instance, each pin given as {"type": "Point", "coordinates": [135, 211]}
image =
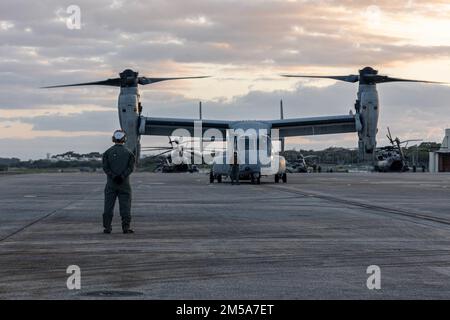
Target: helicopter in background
{"type": "Point", "coordinates": [178, 157]}
{"type": "Point", "coordinates": [392, 158]}
{"type": "Point", "coordinates": [300, 165]}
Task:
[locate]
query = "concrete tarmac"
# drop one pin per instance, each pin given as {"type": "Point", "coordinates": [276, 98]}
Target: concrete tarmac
{"type": "Point", "coordinates": [312, 238]}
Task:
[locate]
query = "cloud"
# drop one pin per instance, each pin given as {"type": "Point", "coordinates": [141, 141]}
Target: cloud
{"type": "Point", "coordinates": [37, 148]}
{"type": "Point", "coordinates": [105, 121]}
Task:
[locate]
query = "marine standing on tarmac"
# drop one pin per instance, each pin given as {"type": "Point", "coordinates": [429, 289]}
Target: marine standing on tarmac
{"type": "Point", "coordinates": [118, 164]}
{"type": "Point", "coordinates": [235, 169]}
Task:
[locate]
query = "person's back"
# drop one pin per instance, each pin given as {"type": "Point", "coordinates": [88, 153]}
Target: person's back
{"type": "Point", "coordinates": [118, 164]}
{"type": "Point", "coordinates": [120, 161]}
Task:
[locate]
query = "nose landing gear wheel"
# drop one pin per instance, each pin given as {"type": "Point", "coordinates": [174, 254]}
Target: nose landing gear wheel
{"type": "Point", "coordinates": [277, 178]}
{"type": "Point", "coordinates": [284, 177]}
{"type": "Point", "coordinates": [211, 177]}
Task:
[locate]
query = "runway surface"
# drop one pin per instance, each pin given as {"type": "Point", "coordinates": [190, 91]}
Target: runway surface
{"type": "Point", "coordinates": [312, 238]}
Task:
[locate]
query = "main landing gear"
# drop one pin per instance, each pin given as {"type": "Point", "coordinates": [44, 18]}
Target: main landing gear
{"type": "Point", "coordinates": [282, 176]}
{"type": "Point", "coordinates": [255, 178]}
{"type": "Point", "coordinates": [213, 177]}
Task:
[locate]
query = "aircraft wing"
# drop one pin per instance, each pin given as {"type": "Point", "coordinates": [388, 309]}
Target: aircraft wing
{"type": "Point", "coordinates": [315, 125]}
{"type": "Point", "coordinates": [166, 126]}
{"type": "Point", "coordinates": [287, 127]}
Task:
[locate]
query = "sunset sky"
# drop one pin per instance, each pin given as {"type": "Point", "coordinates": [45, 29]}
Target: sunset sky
{"type": "Point", "coordinates": [243, 45]}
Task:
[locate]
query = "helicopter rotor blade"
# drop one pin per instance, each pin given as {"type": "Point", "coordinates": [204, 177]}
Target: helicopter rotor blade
{"type": "Point", "coordinates": [156, 148]}
{"type": "Point", "coordinates": [350, 78]}
{"type": "Point", "coordinates": [145, 80]}
{"type": "Point", "coordinates": [410, 140]}
{"type": "Point", "coordinates": [367, 75]}
{"type": "Point", "coordinates": [159, 154]}
{"type": "Point", "coordinates": [389, 135]}
{"type": "Point", "coordinates": [115, 82]}
{"type": "Point", "coordinates": [383, 79]}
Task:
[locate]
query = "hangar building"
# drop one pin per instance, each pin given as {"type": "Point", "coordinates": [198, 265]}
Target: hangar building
{"type": "Point", "coordinates": [440, 159]}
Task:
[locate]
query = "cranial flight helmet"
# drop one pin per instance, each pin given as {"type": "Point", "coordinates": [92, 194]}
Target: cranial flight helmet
{"type": "Point", "coordinates": [119, 136]}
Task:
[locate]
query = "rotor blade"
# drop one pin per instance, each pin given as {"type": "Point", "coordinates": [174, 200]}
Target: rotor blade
{"type": "Point", "coordinates": [157, 148]}
{"type": "Point", "coordinates": [389, 135]}
{"type": "Point", "coordinates": [194, 152]}
{"type": "Point", "coordinates": [145, 80]}
{"type": "Point", "coordinates": [159, 154]}
{"type": "Point", "coordinates": [411, 140]}
{"type": "Point", "coordinates": [193, 141]}
{"type": "Point", "coordinates": [204, 151]}
{"type": "Point", "coordinates": [384, 79]}
{"type": "Point", "coordinates": [350, 78]}
{"type": "Point", "coordinates": [109, 82]}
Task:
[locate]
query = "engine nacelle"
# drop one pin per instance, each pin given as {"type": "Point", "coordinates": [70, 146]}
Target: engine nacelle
{"type": "Point", "coordinates": [129, 117]}
{"type": "Point", "coordinates": [367, 109]}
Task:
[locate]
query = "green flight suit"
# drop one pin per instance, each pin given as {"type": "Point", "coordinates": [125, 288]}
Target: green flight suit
{"type": "Point", "coordinates": [118, 164]}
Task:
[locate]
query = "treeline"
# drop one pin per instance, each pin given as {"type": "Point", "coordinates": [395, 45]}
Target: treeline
{"type": "Point", "coordinates": [416, 154]}
{"type": "Point", "coordinates": [72, 154]}
{"type": "Point", "coordinates": [7, 163]}
{"type": "Point", "coordinates": [47, 164]}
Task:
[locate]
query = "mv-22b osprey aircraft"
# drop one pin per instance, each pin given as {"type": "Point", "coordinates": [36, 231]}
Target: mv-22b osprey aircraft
{"type": "Point", "coordinates": [364, 121]}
